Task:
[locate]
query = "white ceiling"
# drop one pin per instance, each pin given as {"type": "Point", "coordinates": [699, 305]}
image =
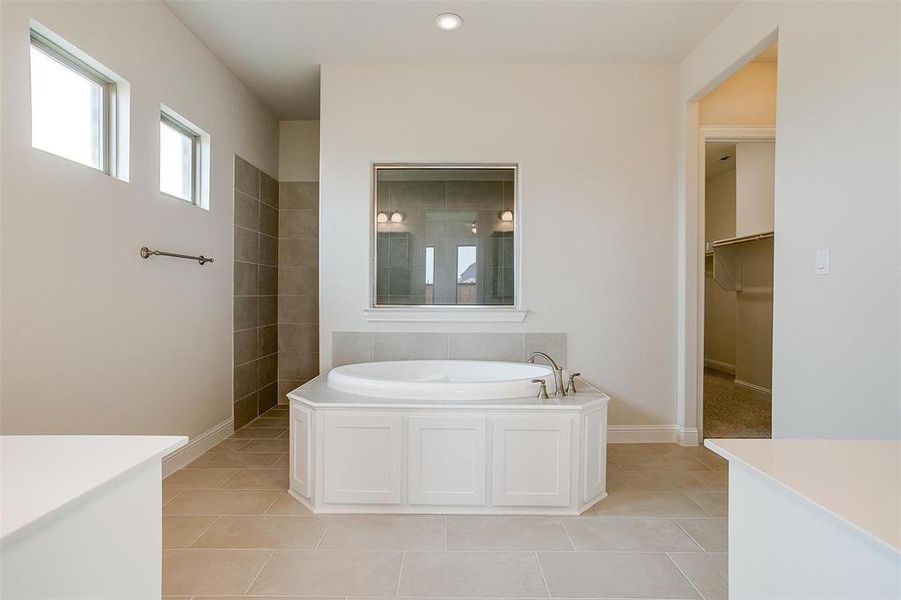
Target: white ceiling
{"type": "Point", "coordinates": [715, 151]}
{"type": "Point", "coordinates": [276, 47]}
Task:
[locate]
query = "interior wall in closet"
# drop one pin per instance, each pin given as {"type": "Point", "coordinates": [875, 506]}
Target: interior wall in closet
{"type": "Point", "coordinates": [739, 195]}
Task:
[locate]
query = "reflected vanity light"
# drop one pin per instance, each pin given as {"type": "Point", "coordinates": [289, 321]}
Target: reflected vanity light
{"type": "Point", "coordinates": [381, 217]}
{"type": "Point", "coordinates": [448, 22]}
{"type": "Point", "coordinates": [507, 215]}
{"type": "Point", "coordinates": [397, 217]}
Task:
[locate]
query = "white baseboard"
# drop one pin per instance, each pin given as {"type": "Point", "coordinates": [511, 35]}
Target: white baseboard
{"type": "Point", "coordinates": [651, 434]}
{"type": "Point", "coordinates": [718, 365]}
{"type": "Point", "coordinates": [197, 446]}
{"type": "Point", "coordinates": [753, 386]}
{"type": "Point", "coordinates": [687, 436]}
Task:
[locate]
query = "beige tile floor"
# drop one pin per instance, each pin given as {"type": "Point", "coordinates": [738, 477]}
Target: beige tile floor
{"type": "Point", "coordinates": [231, 531]}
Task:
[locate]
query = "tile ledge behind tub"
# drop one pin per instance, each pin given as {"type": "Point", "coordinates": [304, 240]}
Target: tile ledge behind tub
{"type": "Point", "coordinates": [456, 314]}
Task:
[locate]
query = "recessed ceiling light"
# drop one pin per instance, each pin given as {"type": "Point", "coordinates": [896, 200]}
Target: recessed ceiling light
{"type": "Point", "coordinates": [448, 21]}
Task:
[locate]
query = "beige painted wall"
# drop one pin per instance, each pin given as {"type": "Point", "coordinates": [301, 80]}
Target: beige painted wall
{"type": "Point", "coordinates": [754, 316]}
{"type": "Point", "coordinates": [720, 208]}
{"type": "Point", "coordinates": [837, 338]}
{"type": "Point", "coordinates": [95, 339]}
{"type": "Point", "coordinates": [298, 151]}
{"type": "Point", "coordinates": [754, 193]}
{"type": "Point", "coordinates": [746, 98]}
{"type": "Point", "coordinates": [755, 187]}
{"type": "Point", "coordinates": [595, 147]}
{"type": "Point", "coordinates": [719, 307]}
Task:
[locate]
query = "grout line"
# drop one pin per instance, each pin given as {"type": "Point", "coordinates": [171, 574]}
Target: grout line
{"type": "Point", "coordinates": [690, 582]}
{"type": "Point", "coordinates": [712, 516]}
{"type": "Point", "coordinates": [255, 489]}
{"type": "Point", "coordinates": [324, 530]}
{"type": "Point", "coordinates": [260, 357]}
{"type": "Point", "coordinates": [566, 531]}
{"type": "Point", "coordinates": [230, 477]}
{"type": "Point", "coordinates": [400, 573]}
{"type": "Point", "coordinates": [543, 578]}
{"type": "Point", "coordinates": [614, 461]}
{"type": "Point", "coordinates": [697, 543]}
{"type": "Point", "coordinates": [383, 551]}
{"type": "Point", "coordinates": [205, 529]}
{"type": "Point", "coordinates": [277, 498]}
{"type": "Point", "coordinates": [271, 504]}
{"type": "Point", "coordinates": [260, 572]}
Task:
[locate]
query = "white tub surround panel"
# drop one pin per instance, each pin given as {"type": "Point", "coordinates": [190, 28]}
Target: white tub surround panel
{"type": "Point", "coordinates": [354, 453]}
{"type": "Point", "coordinates": [82, 516]}
{"type": "Point", "coordinates": [813, 518]}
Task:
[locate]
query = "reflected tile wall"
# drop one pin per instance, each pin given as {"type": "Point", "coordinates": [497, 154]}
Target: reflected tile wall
{"type": "Point", "coordinates": [443, 216]}
{"type": "Point", "coordinates": [255, 387]}
{"type": "Point", "coordinates": [298, 285]}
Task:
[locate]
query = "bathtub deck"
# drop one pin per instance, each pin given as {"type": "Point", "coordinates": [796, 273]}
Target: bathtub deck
{"type": "Point", "coordinates": [317, 394]}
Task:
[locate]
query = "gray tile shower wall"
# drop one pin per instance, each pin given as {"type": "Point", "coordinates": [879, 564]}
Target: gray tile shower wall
{"type": "Point", "coordinates": [255, 292]}
{"type": "Point", "coordinates": [352, 347]}
{"type": "Point", "coordinates": [298, 284]}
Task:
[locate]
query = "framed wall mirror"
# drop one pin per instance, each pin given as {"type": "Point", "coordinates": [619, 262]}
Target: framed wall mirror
{"type": "Point", "coordinates": [444, 235]}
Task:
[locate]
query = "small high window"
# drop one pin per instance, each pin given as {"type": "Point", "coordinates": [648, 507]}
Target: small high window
{"type": "Point", "coordinates": [182, 158]}
{"type": "Point", "coordinates": [72, 106]}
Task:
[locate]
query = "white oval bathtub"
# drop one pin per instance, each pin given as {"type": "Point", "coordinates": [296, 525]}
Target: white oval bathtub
{"type": "Point", "coordinates": [440, 379]}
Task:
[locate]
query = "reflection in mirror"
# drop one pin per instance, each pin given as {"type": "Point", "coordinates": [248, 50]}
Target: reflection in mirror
{"type": "Point", "coordinates": [444, 235]}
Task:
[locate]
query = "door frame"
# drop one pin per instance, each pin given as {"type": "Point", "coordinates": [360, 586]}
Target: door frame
{"type": "Point", "coordinates": [713, 134]}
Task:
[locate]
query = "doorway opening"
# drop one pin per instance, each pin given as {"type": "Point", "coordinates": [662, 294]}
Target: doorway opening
{"type": "Point", "coordinates": [737, 187]}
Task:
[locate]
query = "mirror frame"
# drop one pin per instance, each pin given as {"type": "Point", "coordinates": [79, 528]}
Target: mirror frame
{"type": "Point", "coordinates": [376, 167]}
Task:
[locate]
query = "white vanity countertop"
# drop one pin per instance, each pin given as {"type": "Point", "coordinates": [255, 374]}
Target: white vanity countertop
{"type": "Point", "coordinates": [317, 394]}
{"type": "Point", "coordinates": [42, 474]}
{"type": "Point", "coordinates": [856, 481]}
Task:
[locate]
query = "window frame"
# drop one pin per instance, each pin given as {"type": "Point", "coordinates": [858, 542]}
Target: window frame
{"type": "Point", "coordinates": [108, 117]}
{"type": "Point", "coordinates": [176, 122]}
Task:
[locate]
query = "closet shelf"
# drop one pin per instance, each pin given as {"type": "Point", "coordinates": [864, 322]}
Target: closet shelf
{"type": "Point", "coordinates": [754, 237]}
{"type": "Point", "coordinates": [726, 264]}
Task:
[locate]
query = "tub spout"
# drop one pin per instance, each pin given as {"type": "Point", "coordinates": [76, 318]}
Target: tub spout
{"type": "Point", "coordinates": [558, 372]}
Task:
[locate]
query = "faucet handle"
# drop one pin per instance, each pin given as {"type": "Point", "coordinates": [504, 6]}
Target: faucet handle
{"type": "Point", "coordinates": [542, 388]}
{"type": "Point", "coordinates": [571, 386]}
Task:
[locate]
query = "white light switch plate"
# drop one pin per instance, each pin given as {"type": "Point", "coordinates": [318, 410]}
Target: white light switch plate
{"type": "Point", "coordinates": [821, 262]}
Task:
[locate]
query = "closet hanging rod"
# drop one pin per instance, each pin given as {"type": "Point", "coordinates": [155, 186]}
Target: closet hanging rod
{"type": "Point", "coordinates": [147, 253]}
{"type": "Point", "coordinates": [740, 240]}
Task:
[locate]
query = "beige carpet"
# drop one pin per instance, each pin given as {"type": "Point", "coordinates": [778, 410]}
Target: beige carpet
{"type": "Point", "coordinates": [732, 411]}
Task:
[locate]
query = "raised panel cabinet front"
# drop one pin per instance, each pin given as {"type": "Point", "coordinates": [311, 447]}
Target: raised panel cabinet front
{"type": "Point", "coordinates": [301, 451]}
{"type": "Point", "coordinates": [362, 459]}
{"type": "Point", "coordinates": [594, 455]}
{"type": "Point", "coordinates": [446, 460]}
{"type": "Point", "coordinates": [531, 459]}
